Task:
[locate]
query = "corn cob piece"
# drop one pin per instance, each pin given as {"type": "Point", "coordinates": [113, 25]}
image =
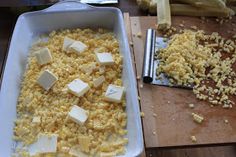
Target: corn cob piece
{"type": "Point", "coordinates": [230, 1]}
{"type": "Point", "coordinates": [163, 14]}
{"type": "Point", "coordinates": [143, 4]}
{"type": "Point", "coordinates": [233, 8]}
{"type": "Point", "coordinates": [203, 3]}
{"type": "Point", "coordinates": [153, 6]}
{"type": "Point", "coordinates": [184, 9]}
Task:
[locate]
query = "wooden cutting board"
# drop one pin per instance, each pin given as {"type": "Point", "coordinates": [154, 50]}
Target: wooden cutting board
{"type": "Point", "coordinates": [168, 121]}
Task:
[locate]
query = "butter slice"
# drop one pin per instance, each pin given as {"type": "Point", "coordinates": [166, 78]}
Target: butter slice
{"type": "Point", "coordinates": [36, 120]}
{"type": "Point", "coordinates": [78, 115]}
{"type": "Point", "coordinates": [44, 144]}
{"type": "Point", "coordinates": [77, 47]}
{"type": "Point", "coordinates": [47, 79]}
{"type": "Point", "coordinates": [114, 93]}
{"type": "Point", "coordinates": [98, 81]}
{"type": "Point", "coordinates": [104, 58]}
{"type": "Point", "coordinates": [78, 87]}
{"type": "Point", "coordinates": [43, 56]}
{"type": "Point", "coordinates": [67, 43]}
{"type": "Point", "coordinates": [75, 151]}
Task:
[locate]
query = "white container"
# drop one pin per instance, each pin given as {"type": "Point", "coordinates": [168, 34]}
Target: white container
{"type": "Point", "coordinates": [65, 14]}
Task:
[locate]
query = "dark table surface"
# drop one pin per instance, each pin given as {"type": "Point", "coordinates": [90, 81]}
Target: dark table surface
{"type": "Point", "coordinates": [10, 10]}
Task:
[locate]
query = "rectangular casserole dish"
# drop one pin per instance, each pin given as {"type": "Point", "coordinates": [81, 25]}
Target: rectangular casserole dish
{"type": "Point", "coordinates": [65, 14]}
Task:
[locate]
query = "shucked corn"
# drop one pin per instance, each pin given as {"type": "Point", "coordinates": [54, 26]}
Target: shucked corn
{"type": "Point", "coordinates": [40, 111]}
{"type": "Point", "coordinates": [203, 60]}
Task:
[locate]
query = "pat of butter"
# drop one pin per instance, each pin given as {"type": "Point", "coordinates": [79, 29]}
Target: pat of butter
{"type": "Point", "coordinates": [78, 87]}
{"type": "Point", "coordinates": [67, 42]}
{"type": "Point", "coordinates": [44, 144]}
{"type": "Point", "coordinates": [114, 93]}
{"type": "Point", "coordinates": [75, 151]}
{"type": "Point", "coordinates": [98, 81]}
{"type": "Point", "coordinates": [36, 120]}
{"type": "Point", "coordinates": [43, 56]}
{"type": "Point", "coordinates": [78, 115]}
{"type": "Point", "coordinates": [105, 58]}
{"type": "Point", "coordinates": [77, 47]}
{"type": "Point", "coordinates": [47, 79]}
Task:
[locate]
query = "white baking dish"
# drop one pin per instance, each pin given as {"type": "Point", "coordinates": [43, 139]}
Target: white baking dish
{"type": "Point", "coordinates": [65, 14]}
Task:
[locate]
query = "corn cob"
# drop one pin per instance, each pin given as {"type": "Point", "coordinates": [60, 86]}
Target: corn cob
{"type": "Point", "coordinates": [233, 8]}
{"type": "Point", "coordinates": [204, 3]}
{"type": "Point", "coordinates": [163, 14]}
{"type": "Point", "coordinates": [153, 6]}
{"type": "Point", "coordinates": [144, 4]}
{"type": "Point", "coordinates": [184, 9]}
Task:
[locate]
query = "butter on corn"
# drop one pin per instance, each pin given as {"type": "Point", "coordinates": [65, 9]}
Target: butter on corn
{"type": "Point", "coordinates": [114, 93]}
{"type": "Point", "coordinates": [78, 87]}
{"type": "Point", "coordinates": [36, 120]}
{"type": "Point", "coordinates": [77, 47]}
{"type": "Point", "coordinates": [67, 42]}
{"type": "Point", "coordinates": [47, 79]}
{"type": "Point", "coordinates": [53, 106]}
{"type": "Point", "coordinates": [75, 151]}
{"type": "Point", "coordinates": [78, 115]}
{"type": "Point", "coordinates": [43, 56]}
{"type": "Point", "coordinates": [104, 58]}
{"type": "Point", "coordinates": [44, 144]}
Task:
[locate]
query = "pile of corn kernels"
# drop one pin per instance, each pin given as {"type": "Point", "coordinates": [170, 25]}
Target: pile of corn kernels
{"type": "Point", "coordinates": [206, 61]}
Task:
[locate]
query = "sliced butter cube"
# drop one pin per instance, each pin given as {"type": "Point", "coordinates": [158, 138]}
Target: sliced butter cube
{"type": "Point", "coordinates": [77, 47]}
{"type": "Point", "coordinates": [78, 115]}
{"type": "Point", "coordinates": [107, 154]}
{"type": "Point", "coordinates": [84, 143]}
{"type": "Point", "coordinates": [44, 144]}
{"type": "Point", "coordinates": [67, 43]}
{"type": "Point", "coordinates": [105, 58]}
{"type": "Point", "coordinates": [75, 151]}
{"type": "Point", "coordinates": [78, 87]}
{"type": "Point", "coordinates": [114, 93]}
{"type": "Point", "coordinates": [47, 79]}
{"type": "Point", "coordinates": [36, 120]}
{"type": "Point", "coordinates": [98, 81]}
{"type": "Point", "coordinates": [43, 56]}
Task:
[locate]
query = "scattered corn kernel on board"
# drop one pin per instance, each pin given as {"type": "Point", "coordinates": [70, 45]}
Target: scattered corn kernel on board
{"type": "Point", "coordinates": [168, 119]}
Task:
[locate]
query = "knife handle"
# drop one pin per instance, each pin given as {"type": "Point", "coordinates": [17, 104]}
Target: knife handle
{"type": "Point", "coordinates": [148, 60]}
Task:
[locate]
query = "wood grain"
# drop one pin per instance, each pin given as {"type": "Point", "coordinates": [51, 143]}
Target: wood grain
{"type": "Point", "coordinates": [222, 151]}
{"type": "Point", "coordinates": [173, 125]}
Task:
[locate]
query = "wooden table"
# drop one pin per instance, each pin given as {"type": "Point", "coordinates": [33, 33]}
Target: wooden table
{"type": "Point", "coordinates": [7, 22]}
